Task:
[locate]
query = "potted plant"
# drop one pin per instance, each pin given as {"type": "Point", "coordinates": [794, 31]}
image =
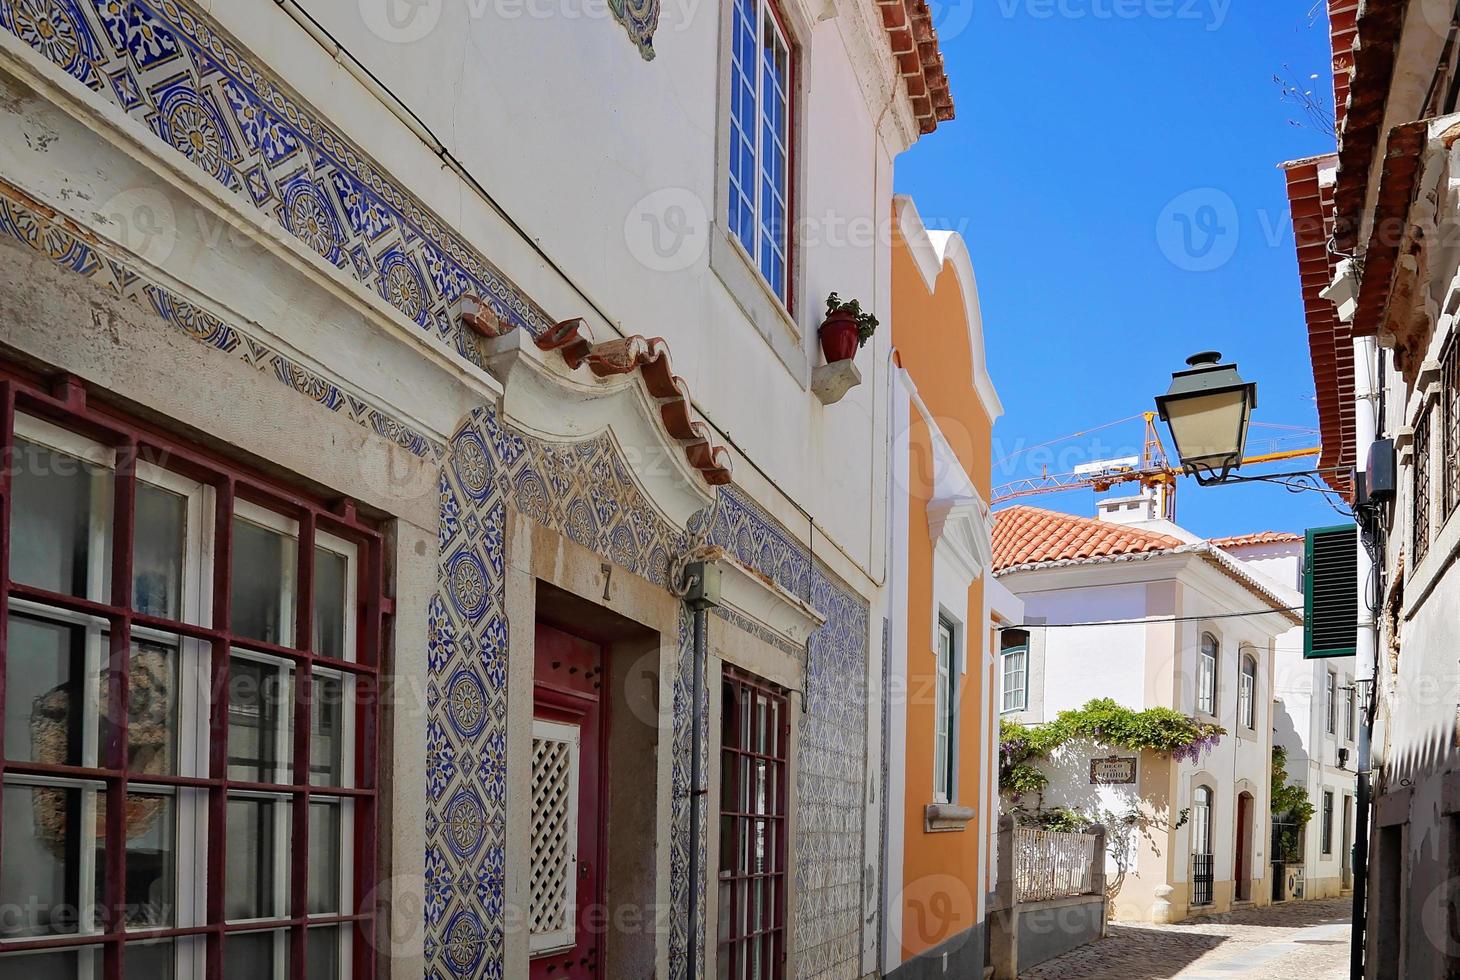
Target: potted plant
{"type": "Point", "coordinates": [845, 329]}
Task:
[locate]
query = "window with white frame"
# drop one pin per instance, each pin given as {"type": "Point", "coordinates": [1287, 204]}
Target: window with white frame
{"type": "Point", "coordinates": [762, 75]}
{"type": "Point", "coordinates": [114, 595]}
{"type": "Point", "coordinates": [1327, 838]}
{"type": "Point", "coordinates": [1201, 820]}
{"type": "Point", "coordinates": [1206, 678]}
{"type": "Point", "coordinates": [1350, 711]}
{"type": "Point", "coordinates": [945, 707]}
{"type": "Point", "coordinates": [1014, 647]}
{"type": "Point", "coordinates": [1331, 704]}
{"type": "Point", "coordinates": [1247, 691]}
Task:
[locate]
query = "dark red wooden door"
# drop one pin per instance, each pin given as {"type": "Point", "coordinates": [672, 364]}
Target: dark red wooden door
{"type": "Point", "coordinates": [569, 772]}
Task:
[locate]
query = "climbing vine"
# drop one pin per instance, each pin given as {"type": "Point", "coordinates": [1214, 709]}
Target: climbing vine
{"type": "Point", "coordinates": [1102, 720]}
{"type": "Point", "coordinates": [1291, 809]}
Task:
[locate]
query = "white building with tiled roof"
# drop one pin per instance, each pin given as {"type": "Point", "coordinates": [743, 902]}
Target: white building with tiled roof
{"type": "Point", "coordinates": [1147, 614]}
{"type": "Point", "coordinates": [1315, 719]}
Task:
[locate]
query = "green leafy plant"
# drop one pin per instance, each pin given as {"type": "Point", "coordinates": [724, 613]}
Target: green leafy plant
{"type": "Point", "coordinates": [866, 322]}
{"type": "Point", "coordinates": [1290, 803]}
{"type": "Point", "coordinates": [1104, 721]}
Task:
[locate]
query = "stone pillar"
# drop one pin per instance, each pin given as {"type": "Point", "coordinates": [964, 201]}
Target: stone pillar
{"type": "Point", "coordinates": [1097, 876]}
{"type": "Point", "coordinates": [1004, 916]}
{"type": "Point", "coordinates": [1161, 908]}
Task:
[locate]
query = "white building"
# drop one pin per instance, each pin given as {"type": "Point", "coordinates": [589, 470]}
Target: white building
{"type": "Point", "coordinates": [1139, 611]}
{"type": "Point", "coordinates": [1315, 719]}
{"type": "Point", "coordinates": [359, 315]}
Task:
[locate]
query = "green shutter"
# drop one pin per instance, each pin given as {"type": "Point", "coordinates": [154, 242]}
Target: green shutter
{"type": "Point", "coordinates": [1331, 592]}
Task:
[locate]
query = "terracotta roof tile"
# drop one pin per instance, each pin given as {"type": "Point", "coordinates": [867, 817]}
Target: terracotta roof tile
{"type": "Point", "coordinates": [914, 41]}
{"type": "Point", "coordinates": [1029, 535]}
{"type": "Point", "coordinates": [1259, 537]}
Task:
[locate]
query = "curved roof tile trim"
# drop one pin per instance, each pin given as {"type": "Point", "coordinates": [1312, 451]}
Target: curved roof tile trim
{"type": "Point", "coordinates": [914, 41]}
{"type": "Point", "coordinates": [649, 356]}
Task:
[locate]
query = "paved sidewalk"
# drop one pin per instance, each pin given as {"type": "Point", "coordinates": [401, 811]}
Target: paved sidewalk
{"type": "Point", "coordinates": [1296, 941]}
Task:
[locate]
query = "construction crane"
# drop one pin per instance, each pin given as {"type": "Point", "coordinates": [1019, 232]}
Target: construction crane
{"type": "Point", "coordinates": [1152, 470]}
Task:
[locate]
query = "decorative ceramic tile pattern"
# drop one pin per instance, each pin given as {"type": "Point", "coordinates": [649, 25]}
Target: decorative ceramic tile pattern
{"type": "Point", "coordinates": [167, 64]}
{"type": "Point", "coordinates": [639, 18]}
{"type": "Point", "coordinates": [22, 220]}
{"type": "Point", "coordinates": [832, 756]}
{"type": "Point", "coordinates": [585, 491]}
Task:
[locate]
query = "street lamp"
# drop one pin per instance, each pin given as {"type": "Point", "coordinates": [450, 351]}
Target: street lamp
{"type": "Point", "coordinates": [1208, 409]}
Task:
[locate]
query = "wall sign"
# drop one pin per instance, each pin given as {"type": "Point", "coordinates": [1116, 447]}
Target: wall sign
{"type": "Point", "coordinates": [1113, 771]}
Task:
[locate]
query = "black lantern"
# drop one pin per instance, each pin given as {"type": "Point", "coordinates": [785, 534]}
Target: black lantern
{"type": "Point", "coordinates": [1208, 410]}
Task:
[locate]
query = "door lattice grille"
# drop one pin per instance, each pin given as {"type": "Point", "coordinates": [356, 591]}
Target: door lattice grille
{"type": "Point", "coordinates": [554, 835]}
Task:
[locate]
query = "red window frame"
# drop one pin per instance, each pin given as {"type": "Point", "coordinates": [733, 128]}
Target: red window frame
{"type": "Point", "coordinates": [740, 878]}
{"type": "Point", "coordinates": [64, 402]}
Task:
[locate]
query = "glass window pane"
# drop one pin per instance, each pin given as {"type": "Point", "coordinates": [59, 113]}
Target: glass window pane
{"type": "Point", "coordinates": [151, 887]}
{"type": "Point", "coordinates": [324, 858]}
{"type": "Point", "coordinates": [44, 684]}
{"type": "Point", "coordinates": [41, 877]}
{"type": "Point", "coordinates": [260, 702]}
{"type": "Point", "coordinates": [331, 604]}
{"type": "Point", "coordinates": [327, 711]}
{"type": "Point", "coordinates": [67, 965]}
{"type": "Point", "coordinates": [322, 961]}
{"type": "Point", "coordinates": [251, 956]}
{"type": "Point", "coordinates": [257, 854]}
{"type": "Point", "coordinates": [152, 732]}
{"type": "Point", "coordinates": [62, 514]}
{"type": "Point", "coordinates": [160, 541]}
{"type": "Point", "coordinates": [264, 563]}
{"type": "Point", "coordinates": [149, 961]}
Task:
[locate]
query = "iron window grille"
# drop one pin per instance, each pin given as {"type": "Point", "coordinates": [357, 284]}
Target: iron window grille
{"type": "Point", "coordinates": [229, 706]}
{"type": "Point", "coordinates": [1202, 862]}
{"type": "Point", "coordinates": [1450, 398]}
{"type": "Point", "coordinates": [1422, 478]}
{"type": "Point", "coordinates": [755, 732]}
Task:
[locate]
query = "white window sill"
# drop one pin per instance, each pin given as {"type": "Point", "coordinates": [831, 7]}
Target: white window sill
{"type": "Point", "coordinates": [947, 818]}
{"type": "Point", "coordinates": [740, 277]}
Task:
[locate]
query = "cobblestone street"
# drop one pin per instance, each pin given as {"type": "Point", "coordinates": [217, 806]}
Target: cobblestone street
{"type": "Point", "coordinates": [1299, 941]}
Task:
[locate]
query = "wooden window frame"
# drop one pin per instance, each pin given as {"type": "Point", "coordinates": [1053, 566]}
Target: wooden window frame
{"type": "Point", "coordinates": [735, 944]}
{"type": "Point", "coordinates": [1206, 701]}
{"type": "Point", "coordinates": [133, 447]}
{"type": "Point", "coordinates": [945, 710]}
{"type": "Point", "coordinates": [1247, 690]}
{"type": "Point", "coordinates": [767, 14]}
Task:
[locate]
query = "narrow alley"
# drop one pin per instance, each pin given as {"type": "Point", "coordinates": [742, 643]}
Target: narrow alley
{"type": "Point", "coordinates": [1298, 941]}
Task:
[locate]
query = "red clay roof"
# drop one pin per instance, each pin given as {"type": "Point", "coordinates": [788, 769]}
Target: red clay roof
{"type": "Point", "coordinates": [1330, 340]}
{"type": "Point", "coordinates": [1260, 537]}
{"type": "Point", "coordinates": [650, 357]}
{"type": "Point", "coordinates": [1365, 54]}
{"type": "Point", "coordinates": [1029, 535]}
{"type": "Point", "coordinates": [909, 26]}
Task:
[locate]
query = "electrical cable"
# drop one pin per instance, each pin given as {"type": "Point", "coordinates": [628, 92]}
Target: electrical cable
{"type": "Point", "coordinates": [1155, 619]}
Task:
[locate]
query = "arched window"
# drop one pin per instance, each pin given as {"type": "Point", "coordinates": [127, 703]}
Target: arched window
{"type": "Point", "coordinates": [1247, 691]}
{"type": "Point", "coordinates": [1014, 648]}
{"type": "Point", "coordinates": [1201, 820]}
{"type": "Point", "coordinates": [1206, 679]}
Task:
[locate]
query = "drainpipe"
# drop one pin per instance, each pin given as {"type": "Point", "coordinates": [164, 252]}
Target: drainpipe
{"type": "Point", "coordinates": [702, 585]}
{"type": "Point", "coordinates": [1367, 407]}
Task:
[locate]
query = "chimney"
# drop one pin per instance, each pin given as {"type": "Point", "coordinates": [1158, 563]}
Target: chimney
{"type": "Point", "coordinates": [1129, 510]}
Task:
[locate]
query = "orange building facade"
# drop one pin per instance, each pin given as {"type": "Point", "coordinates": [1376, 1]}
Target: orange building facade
{"type": "Point", "coordinates": [946, 608]}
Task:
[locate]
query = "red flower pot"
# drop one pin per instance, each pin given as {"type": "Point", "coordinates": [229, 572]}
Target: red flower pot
{"type": "Point", "coordinates": [839, 337]}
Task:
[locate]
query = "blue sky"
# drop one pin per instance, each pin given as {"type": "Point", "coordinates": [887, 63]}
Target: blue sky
{"type": "Point", "coordinates": [1113, 168]}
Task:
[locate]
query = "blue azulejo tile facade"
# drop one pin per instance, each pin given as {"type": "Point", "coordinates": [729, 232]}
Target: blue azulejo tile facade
{"type": "Point", "coordinates": [168, 65]}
